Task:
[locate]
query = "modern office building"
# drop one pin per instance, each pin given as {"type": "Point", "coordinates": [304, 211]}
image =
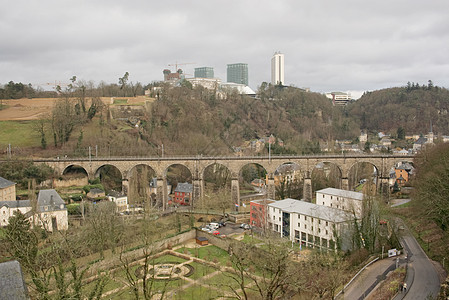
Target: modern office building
{"type": "Point", "coordinates": [277, 69]}
{"type": "Point", "coordinates": [204, 72]}
{"type": "Point", "coordinates": [237, 73]}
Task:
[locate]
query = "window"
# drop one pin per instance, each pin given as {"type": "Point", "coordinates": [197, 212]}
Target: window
{"type": "Point", "coordinates": [312, 220]}
{"type": "Point", "coordinates": [319, 230]}
{"type": "Point", "coordinates": [299, 225]}
{"type": "Point", "coordinates": [319, 221]}
{"type": "Point", "coordinates": [323, 202]}
{"type": "Point", "coordinates": [327, 223]}
{"type": "Point", "coordinates": [279, 218]}
{"type": "Point", "coordinates": [274, 218]}
{"type": "Point", "coordinates": [305, 226]}
{"type": "Point", "coordinates": [305, 218]}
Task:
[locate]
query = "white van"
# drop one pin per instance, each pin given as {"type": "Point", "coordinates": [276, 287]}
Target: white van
{"type": "Point", "coordinates": [214, 225]}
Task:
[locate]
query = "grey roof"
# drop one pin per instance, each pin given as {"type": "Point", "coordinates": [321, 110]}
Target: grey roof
{"type": "Point", "coordinates": [342, 193]}
{"type": "Point", "coordinates": [313, 210]}
{"type": "Point", "coordinates": [116, 194]}
{"type": "Point", "coordinates": [51, 199]}
{"type": "Point", "coordinates": [96, 191]}
{"type": "Point", "coordinates": [421, 141]}
{"type": "Point", "coordinates": [12, 285]}
{"type": "Point", "coordinates": [4, 183]}
{"type": "Point", "coordinates": [16, 203]}
{"type": "Point", "coordinates": [184, 187]}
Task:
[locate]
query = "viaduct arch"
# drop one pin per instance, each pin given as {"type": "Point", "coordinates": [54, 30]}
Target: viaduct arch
{"type": "Point", "coordinates": [197, 165]}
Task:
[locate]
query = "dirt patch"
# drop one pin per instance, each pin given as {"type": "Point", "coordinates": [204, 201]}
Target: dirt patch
{"type": "Point", "coordinates": [33, 109]}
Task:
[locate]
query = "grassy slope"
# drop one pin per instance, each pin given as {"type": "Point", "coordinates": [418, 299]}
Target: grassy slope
{"type": "Point", "coordinates": [18, 134]}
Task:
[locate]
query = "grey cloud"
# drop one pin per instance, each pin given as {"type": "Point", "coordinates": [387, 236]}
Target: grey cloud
{"type": "Point", "coordinates": [328, 45]}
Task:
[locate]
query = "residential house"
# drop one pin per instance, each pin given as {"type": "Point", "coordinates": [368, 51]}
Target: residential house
{"type": "Point", "coordinates": [385, 142]}
{"type": "Point", "coordinates": [96, 193]}
{"type": "Point", "coordinates": [403, 172]}
{"type": "Point", "coordinates": [183, 193]}
{"type": "Point", "coordinates": [51, 212]}
{"type": "Point", "coordinates": [349, 201]}
{"type": "Point", "coordinates": [7, 190]}
{"type": "Point", "coordinates": [120, 200]}
{"type": "Point", "coordinates": [310, 224]}
{"type": "Point", "coordinates": [419, 144]}
{"type": "Point", "coordinates": [7, 209]}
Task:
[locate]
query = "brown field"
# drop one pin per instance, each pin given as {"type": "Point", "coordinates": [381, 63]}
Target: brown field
{"type": "Point", "coordinates": [32, 109]}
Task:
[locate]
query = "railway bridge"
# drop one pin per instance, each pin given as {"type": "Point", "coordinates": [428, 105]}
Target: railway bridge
{"type": "Point", "coordinates": [197, 165]}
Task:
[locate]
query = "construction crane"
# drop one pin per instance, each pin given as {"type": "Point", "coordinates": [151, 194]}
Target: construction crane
{"type": "Point", "coordinates": [179, 64]}
{"type": "Point", "coordinates": [52, 84]}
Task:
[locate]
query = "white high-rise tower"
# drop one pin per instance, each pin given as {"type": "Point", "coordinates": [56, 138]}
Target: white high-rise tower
{"type": "Point", "coordinates": [277, 69]}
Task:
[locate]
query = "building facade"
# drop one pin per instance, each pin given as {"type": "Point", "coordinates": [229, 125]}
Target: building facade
{"type": "Point", "coordinates": [7, 190]}
{"type": "Point", "coordinates": [277, 69]}
{"type": "Point", "coordinates": [49, 211]}
{"type": "Point", "coordinates": [312, 225]}
{"type": "Point", "coordinates": [258, 213]}
{"type": "Point", "coordinates": [183, 193]}
{"type": "Point", "coordinates": [237, 73]}
{"type": "Point", "coordinates": [204, 72]}
{"type": "Point", "coordinates": [120, 200]}
{"type": "Point", "coordinates": [349, 201]}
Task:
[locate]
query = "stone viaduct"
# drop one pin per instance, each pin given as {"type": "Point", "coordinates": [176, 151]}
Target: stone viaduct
{"type": "Point", "coordinates": [197, 165]}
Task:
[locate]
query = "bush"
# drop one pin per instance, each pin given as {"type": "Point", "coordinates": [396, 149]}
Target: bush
{"type": "Point", "coordinates": [74, 209]}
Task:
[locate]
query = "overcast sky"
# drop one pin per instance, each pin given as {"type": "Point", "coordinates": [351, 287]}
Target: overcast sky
{"type": "Point", "coordinates": [346, 45]}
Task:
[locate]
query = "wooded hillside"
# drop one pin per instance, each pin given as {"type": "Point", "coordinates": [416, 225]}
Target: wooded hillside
{"type": "Point", "coordinates": [412, 107]}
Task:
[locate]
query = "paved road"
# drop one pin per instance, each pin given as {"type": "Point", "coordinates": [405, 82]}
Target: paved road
{"type": "Point", "coordinates": [425, 281]}
{"type": "Point", "coordinates": [368, 279]}
{"type": "Point", "coordinates": [422, 278]}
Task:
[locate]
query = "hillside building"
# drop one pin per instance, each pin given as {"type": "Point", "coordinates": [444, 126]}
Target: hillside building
{"type": "Point", "coordinates": [277, 69]}
{"type": "Point", "coordinates": [339, 98]}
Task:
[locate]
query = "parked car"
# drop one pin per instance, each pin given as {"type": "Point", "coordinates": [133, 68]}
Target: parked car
{"type": "Point", "coordinates": [245, 226]}
{"type": "Point", "coordinates": [222, 223]}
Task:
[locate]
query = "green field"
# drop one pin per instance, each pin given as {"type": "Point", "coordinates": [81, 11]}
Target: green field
{"type": "Point", "coordinates": [18, 134]}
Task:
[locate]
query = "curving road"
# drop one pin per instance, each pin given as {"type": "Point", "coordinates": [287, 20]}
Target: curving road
{"type": "Point", "coordinates": [424, 282]}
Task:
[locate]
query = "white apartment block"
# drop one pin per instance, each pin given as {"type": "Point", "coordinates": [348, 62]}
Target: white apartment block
{"type": "Point", "coordinates": [349, 201]}
{"type": "Point", "coordinates": [277, 69]}
{"type": "Point", "coordinates": [310, 224]}
{"type": "Point", "coordinates": [339, 98]}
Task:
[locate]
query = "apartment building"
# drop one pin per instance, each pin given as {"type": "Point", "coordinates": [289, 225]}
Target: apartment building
{"type": "Point", "coordinates": [312, 225]}
{"type": "Point", "coordinates": [349, 201]}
